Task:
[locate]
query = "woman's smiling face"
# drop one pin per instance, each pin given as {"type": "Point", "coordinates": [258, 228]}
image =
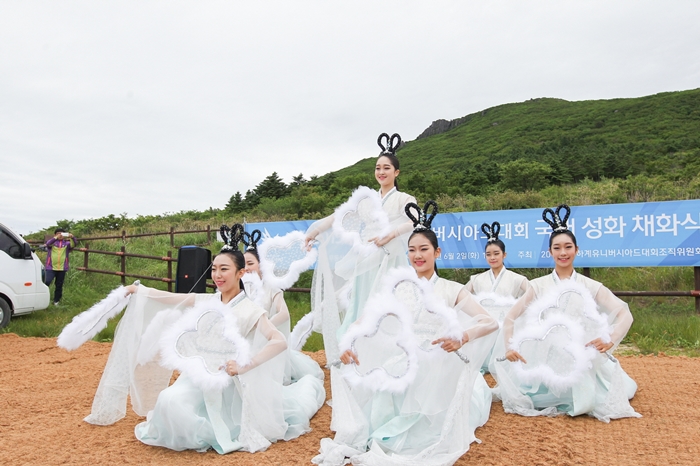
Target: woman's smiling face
{"type": "Point", "coordinates": [385, 172]}
{"type": "Point", "coordinates": [422, 255]}
{"type": "Point", "coordinates": [251, 263]}
{"type": "Point", "coordinates": [563, 251]}
{"type": "Point", "coordinates": [225, 274]}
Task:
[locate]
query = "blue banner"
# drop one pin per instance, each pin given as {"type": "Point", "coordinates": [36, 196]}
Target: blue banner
{"type": "Point", "coordinates": [613, 235]}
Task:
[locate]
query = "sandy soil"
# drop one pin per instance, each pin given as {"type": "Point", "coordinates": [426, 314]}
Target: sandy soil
{"type": "Point", "coordinates": [45, 392]}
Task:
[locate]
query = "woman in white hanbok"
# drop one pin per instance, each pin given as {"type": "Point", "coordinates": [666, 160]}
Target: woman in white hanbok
{"type": "Point", "coordinates": [249, 414]}
{"type": "Point", "coordinates": [603, 390]}
{"type": "Point", "coordinates": [433, 421]}
{"type": "Point", "coordinates": [272, 300]}
{"type": "Point", "coordinates": [498, 288]}
{"type": "Point", "coordinates": [344, 279]}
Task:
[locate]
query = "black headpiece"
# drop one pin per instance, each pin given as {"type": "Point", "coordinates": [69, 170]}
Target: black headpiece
{"type": "Point", "coordinates": [251, 239]}
{"type": "Point", "coordinates": [231, 236]}
{"type": "Point", "coordinates": [491, 231]}
{"type": "Point", "coordinates": [555, 220]}
{"type": "Point", "coordinates": [424, 219]}
{"type": "Point", "coordinates": [389, 144]}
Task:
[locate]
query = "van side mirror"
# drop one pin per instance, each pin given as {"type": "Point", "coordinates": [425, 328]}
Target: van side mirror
{"type": "Point", "coordinates": [26, 251]}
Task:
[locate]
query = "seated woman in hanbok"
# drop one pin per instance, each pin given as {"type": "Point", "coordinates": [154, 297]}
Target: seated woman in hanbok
{"type": "Point", "coordinates": [498, 288]}
{"type": "Point", "coordinates": [236, 406]}
{"type": "Point", "coordinates": [272, 300]}
{"type": "Point", "coordinates": [429, 417]}
{"type": "Point", "coordinates": [558, 341]}
{"type": "Point", "coordinates": [498, 279]}
{"type": "Point", "coordinates": [347, 274]}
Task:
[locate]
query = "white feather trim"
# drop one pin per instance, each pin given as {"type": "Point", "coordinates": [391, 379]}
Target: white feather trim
{"type": "Point", "coordinates": [378, 379]}
{"type": "Point", "coordinates": [595, 324]}
{"type": "Point", "coordinates": [451, 327]}
{"type": "Point", "coordinates": [87, 324]}
{"type": "Point", "coordinates": [375, 217]}
{"type": "Point", "coordinates": [582, 324]}
{"type": "Point", "coordinates": [492, 299]}
{"type": "Point", "coordinates": [150, 339]}
{"type": "Point", "coordinates": [194, 365]}
{"type": "Point", "coordinates": [291, 275]}
{"type": "Point", "coordinates": [301, 332]}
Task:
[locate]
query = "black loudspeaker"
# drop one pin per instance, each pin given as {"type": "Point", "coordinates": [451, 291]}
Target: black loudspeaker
{"type": "Point", "coordinates": [193, 269]}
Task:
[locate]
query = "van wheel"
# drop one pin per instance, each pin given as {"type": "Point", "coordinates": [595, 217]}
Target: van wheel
{"type": "Point", "coordinates": [5, 313]}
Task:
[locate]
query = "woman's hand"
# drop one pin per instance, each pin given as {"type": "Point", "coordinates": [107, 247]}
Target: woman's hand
{"type": "Point", "coordinates": [131, 289]}
{"type": "Point", "coordinates": [600, 345]}
{"type": "Point", "coordinates": [450, 344]}
{"type": "Point", "coordinates": [348, 357]}
{"type": "Point", "coordinates": [231, 368]}
{"type": "Point", "coordinates": [513, 356]}
{"type": "Point", "coordinates": [382, 241]}
{"type": "Point", "coordinates": [309, 240]}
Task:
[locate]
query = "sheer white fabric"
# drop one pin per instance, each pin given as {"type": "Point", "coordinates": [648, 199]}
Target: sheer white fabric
{"type": "Point", "coordinates": [606, 389]}
{"type": "Point", "coordinates": [297, 364]}
{"type": "Point", "coordinates": [247, 415]}
{"type": "Point", "coordinates": [497, 295]}
{"type": "Point", "coordinates": [433, 421]}
{"type": "Point", "coordinates": [343, 279]}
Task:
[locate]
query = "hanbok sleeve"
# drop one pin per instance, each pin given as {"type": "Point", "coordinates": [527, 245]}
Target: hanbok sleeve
{"type": "Point", "coordinates": [282, 313]}
{"type": "Point", "coordinates": [275, 345]}
{"type": "Point", "coordinates": [320, 226]}
{"type": "Point", "coordinates": [166, 298]}
{"type": "Point", "coordinates": [483, 323]}
{"type": "Point", "coordinates": [515, 312]}
{"type": "Point", "coordinates": [618, 311]}
{"type": "Point", "coordinates": [470, 285]}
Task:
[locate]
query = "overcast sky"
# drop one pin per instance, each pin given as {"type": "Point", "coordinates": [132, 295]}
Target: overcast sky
{"type": "Point", "coordinates": [148, 107]}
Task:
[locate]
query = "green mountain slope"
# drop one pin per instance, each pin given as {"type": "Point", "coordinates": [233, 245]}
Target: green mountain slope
{"type": "Point", "coordinates": [654, 135]}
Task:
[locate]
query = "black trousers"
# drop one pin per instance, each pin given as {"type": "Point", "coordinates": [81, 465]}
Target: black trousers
{"type": "Point", "coordinates": [60, 275]}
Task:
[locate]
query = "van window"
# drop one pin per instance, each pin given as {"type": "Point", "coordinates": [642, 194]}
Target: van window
{"type": "Point", "coordinates": [10, 245]}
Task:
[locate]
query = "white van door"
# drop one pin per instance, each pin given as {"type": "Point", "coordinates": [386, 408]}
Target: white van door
{"type": "Point", "coordinates": [20, 276]}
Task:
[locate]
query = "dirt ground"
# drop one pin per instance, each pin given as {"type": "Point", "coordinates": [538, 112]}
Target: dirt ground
{"type": "Point", "coordinates": [45, 392]}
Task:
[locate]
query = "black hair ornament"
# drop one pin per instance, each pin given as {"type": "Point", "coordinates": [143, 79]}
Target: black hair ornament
{"type": "Point", "coordinates": [231, 236]}
{"type": "Point", "coordinates": [251, 239]}
{"type": "Point", "coordinates": [555, 219]}
{"type": "Point", "coordinates": [423, 218]}
{"type": "Point", "coordinates": [491, 231]}
{"type": "Point", "coordinates": [389, 144]}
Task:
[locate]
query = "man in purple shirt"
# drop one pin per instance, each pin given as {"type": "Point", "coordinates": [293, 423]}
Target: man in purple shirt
{"type": "Point", "coordinates": [57, 260]}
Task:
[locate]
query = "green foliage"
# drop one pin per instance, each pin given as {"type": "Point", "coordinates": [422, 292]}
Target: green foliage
{"type": "Point", "coordinates": [524, 175]}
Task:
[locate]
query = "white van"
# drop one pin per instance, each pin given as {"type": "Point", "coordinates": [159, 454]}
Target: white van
{"type": "Point", "coordinates": [22, 288]}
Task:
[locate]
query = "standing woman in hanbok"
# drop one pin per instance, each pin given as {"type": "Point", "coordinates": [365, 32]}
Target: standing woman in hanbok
{"type": "Point", "coordinates": [343, 278]}
{"type": "Point", "coordinates": [498, 286]}
{"type": "Point", "coordinates": [432, 422]}
{"type": "Point", "coordinates": [272, 300]}
{"type": "Point", "coordinates": [604, 389]}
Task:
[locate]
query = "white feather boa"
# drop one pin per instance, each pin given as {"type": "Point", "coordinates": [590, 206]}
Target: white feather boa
{"type": "Point", "coordinates": [378, 379]}
{"type": "Point", "coordinates": [496, 305]}
{"type": "Point", "coordinates": [301, 332]}
{"type": "Point", "coordinates": [537, 326]}
{"type": "Point", "coordinates": [267, 262]}
{"type": "Point", "coordinates": [377, 217]}
{"type": "Point", "coordinates": [87, 324]}
{"type": "Point", "coordinates": [194, 366]}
